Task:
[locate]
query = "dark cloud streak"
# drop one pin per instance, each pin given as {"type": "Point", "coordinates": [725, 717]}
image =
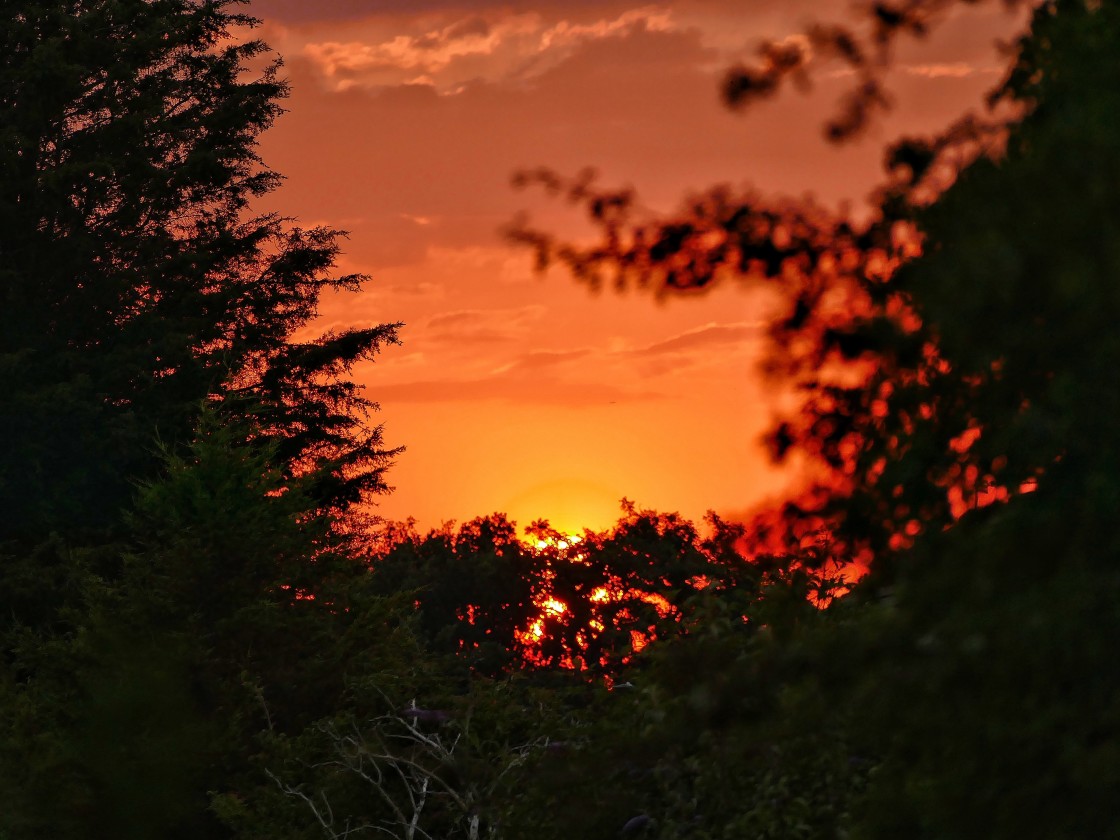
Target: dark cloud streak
{"type": "Point", "coordinates": [708, 336]}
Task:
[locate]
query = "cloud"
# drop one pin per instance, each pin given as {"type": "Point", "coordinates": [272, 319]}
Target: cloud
{"type": "Point", "coordinates": [574, 377]}
{"type": "Point", "coordinates": [953, 70]}
{"type": "Point", "coordinates": [567, 34]}
{"type": "Point", "coordinates": [303, 12]}
{"type": "Point", "coordinates": [456, 319]}
{"type": "Point", "coordinates": [427, 54]}
{"type": "Point", "coordinates": [421, 288]}
{"type": "Point", "coordinates": [482, 326]}
{"type": "Point", "coordinates": [494, 46]}
{"type": "Point", "coordinates": [538, 360]}
{"type": "Point", "coordinates": [716, 348]}
{"type": "Point", "coordinates": [467, 28]}
{"type": "Point", "coordinates": [707, 336]}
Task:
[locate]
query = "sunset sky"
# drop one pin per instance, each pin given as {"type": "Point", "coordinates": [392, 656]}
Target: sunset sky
{"type": "Point", "coordinates": [528, 394]}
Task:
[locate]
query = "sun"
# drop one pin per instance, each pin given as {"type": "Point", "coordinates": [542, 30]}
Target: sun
{"type": "Point", "coordinates": [563, 542]}
{"type": "Point", "coordinates": [569, 504]}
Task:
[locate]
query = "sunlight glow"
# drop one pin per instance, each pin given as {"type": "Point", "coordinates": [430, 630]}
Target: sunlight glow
{"type": "Point", "coordinates": [572, 504]}
{"type": "Point", "coordinates": [561, 543]}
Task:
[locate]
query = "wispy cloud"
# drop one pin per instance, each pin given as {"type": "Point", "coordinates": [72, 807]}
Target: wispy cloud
{"type": "Point", "coordinates": [427, 54]}
{"type": "Point", "coordinates": [418, 289]}
{"type": "Point", "coordinates": [492, 45]}
{"type": "Point", "coordinates": [714, 347]}
{"type": "Point", "coordinates": [482, 325]}
{"type": "Point", "coordinates": [702, 337]}
{"type": "Point", "coordinates": [539, 360]}
{"type": "Point", "coordinates": [953, 70]}
{"type": "Point", "coordinates": [567, 34]}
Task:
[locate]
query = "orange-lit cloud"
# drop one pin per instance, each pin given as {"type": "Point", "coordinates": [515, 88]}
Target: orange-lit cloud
{"type": "Point", "coordinates": [461, 48]}
{"type": "Point", "coordinates": [955, 70]}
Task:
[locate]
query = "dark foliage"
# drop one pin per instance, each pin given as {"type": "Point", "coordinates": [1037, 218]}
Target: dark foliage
{"type": "Point", "coordinates": [955, 354]}
{"type": "Point", "coordinates": [137, 282]}
{"type": "Point", "coordinates": [179, 462]}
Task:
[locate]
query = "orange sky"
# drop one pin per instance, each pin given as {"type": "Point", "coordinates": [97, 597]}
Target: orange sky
{"type": "Point", "coordinates": [527, 394]}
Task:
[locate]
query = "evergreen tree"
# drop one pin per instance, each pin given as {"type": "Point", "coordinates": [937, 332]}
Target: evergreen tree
{"type": "Point", "coordinates": [177, 462]}
{"type": "Point", "coordinates": [138, 283]}
{"type": "Point", "coordinates": [239, 614]}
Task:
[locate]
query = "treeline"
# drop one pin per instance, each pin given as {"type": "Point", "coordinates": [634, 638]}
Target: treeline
{"type": "Point", "coordinates": [587, 603]}
{"type": "Point", "coordinates": [201, 637]}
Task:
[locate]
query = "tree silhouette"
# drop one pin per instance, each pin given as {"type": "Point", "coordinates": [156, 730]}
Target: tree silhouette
{"type": "Point", "coordinates": [182, 460]}
{"type": "Point", "coordinates": [138, 281]}
{"type": "Point", "coordinates": [473, 587]}
{"type": "Point", "coordinates": [965, 688]}
{"type": "Point", "coordinates": [139, 285]}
